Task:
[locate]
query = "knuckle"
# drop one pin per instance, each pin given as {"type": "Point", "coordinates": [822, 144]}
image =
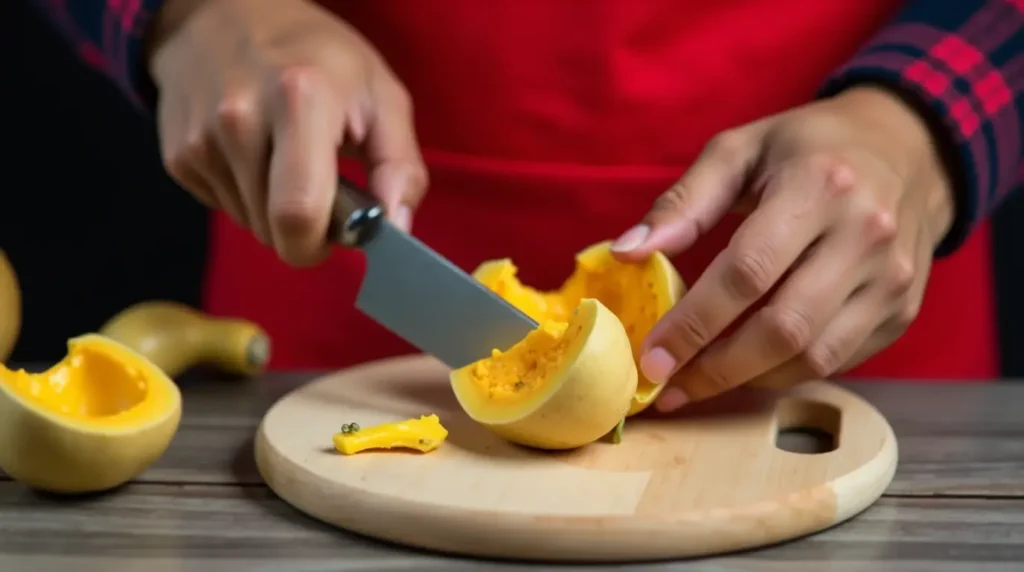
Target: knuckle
{"type": "Point", "coordinates": [880, 227]}
{"type": "Point", "coordinates": [236, 112]}
{"type": "Point", "coordinates": [174, 161]}
{"type": "Point", "coordinates": [901, 274]}
{"type": "Point", "coordinates": [672, 200]}
{"type": "Point", "coordinates": [728, 142]}
{"type": "Point", "coordinates": [749, 272]}
{"type": "Point", "coordinates": [197, 146]}
{"type": "Point", "coordinates": [823, 358]}
{"type": "Point", "coordinates": [790, 327]}
{"type": "Point", "coordinates": [298, 83]}
{"type": "Point", "coordinates": [689, 330]}
{"type": "Point", "coordinates": [401, 99]}
{"type": "Point", "coordinates": [297, 214]}
{"type": "Point", "coordinates": [906, 315]}
{"type": "Point", "coordinates": [836, 171]}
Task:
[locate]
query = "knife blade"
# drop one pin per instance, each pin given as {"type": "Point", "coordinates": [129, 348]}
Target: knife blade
{"type": "Point", "coordinates": [418, 294]}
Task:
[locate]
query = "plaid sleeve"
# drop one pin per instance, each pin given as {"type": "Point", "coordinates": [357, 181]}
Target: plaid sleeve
{"type": "Point", "coordinates": [962, 63]}
{"type": "Point", "coordinates": [107, 35]}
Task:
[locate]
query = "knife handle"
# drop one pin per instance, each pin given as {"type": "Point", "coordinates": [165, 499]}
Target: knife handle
{"type": "Point", "coordinates": [355, 215]}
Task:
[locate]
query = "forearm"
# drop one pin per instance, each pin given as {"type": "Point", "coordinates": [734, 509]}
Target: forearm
{"type": "Point", "coordinates": [962, 65]}
{"type": "Point", "coordinates": [107, 35]}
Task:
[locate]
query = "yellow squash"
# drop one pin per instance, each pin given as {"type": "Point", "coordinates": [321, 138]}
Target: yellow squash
{"type": "Point", "coordinates": [10, 308]}
{"type": "Point", "coordinates": [638, 294]}
{"type": "Point", "coordinates": [90, 423]}
{"type": "Point", "coordinates": [176, 337]}
{"type": "Point", "coordinates": [566, 384]}
{"type": "Point", "coordinates": [424, 434]}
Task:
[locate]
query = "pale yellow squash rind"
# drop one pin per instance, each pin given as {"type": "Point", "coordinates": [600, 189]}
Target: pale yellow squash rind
{"type": "Point", "coordinates": [10, 308]}
{"type": "Point", "coordinates": [587, 394]}
{"type": "Point", "coordinates": [69, 453]}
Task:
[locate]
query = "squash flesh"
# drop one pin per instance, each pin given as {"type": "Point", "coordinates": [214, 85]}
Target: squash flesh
{"type": "Point", "coordinates": [587, 381]}
{"type": "Point", "coordinates": [638, 294]}
{"type": "Point", "coordinates": [513, 377]}
{"type": "Point", "coordinates": [97, 384]}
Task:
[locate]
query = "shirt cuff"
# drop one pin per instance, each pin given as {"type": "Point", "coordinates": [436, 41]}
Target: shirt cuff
{"type": "Point", "coordinates": [956, 72]}
{"type": "Point", "coordinates": [108, 35]}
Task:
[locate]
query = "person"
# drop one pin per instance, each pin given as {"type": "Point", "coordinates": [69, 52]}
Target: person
{"type": "Point", "coordinates": [820, 172]}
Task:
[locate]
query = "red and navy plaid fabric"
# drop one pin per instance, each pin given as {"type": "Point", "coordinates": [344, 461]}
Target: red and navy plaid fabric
{"type": "Point", "coordinates": [963, 61]}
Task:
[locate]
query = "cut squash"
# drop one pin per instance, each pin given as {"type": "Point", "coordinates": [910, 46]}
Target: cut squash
{"type": "Point", "coordinates": [637, 293]}
{"type": "Point", "coordinates": [90, 423]}
{"type": "Point", "coordinates": [424, 435]}
{"type": "Point", "coordinates": [10, 308]}
{"type": "Point", "coordinates": [566, 384]}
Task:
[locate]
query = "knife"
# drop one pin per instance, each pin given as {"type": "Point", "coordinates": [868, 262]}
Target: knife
{"type": "Point", "coordinates": [418, 294]}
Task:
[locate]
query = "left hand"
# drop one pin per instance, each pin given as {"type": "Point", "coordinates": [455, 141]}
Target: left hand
{"type": "Point", "coordinates": [849, 202]}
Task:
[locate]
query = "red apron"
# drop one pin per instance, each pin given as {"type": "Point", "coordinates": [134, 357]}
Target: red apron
{"type": "Point", "coordinates": [551, 125]}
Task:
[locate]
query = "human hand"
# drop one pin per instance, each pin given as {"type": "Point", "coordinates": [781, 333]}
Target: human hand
{"type": "Point", "coordinates": [849, 201]}
{"type": "Point", "coordinates": [257, 97]}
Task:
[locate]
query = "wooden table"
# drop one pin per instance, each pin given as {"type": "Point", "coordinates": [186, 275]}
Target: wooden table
{"type": "Point", "coordinates": [956, 504]}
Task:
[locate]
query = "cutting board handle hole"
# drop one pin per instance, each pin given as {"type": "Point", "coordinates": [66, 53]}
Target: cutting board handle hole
{"type": "Point", "coordinates": [806, 427]}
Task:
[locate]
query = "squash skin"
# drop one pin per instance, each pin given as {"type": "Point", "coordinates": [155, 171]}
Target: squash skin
{"type": "Point", "coordinates": [49, 452]}
{"type": "Point", "coordinates": [177, 337]}
{"type": "Point", "coordinates": [10, 308]}
{"type": "Point", "coordinates": [591, 394]}
{"type": "Point", "coordinates": [666, 280]}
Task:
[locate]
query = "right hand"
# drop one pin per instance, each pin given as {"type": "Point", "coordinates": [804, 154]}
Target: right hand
{"type": "Point", "coordinates": [257, 98]}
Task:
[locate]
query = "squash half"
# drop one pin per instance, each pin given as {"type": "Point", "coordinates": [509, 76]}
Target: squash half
{"type": "Point", "coordinates": [566, 384]}
{"type": "Point", "coordinates": [638, 294]}
{"type": "Point", "coordinates": [10, 308]}
{"type": "Point", "coordinates": [89, 423]}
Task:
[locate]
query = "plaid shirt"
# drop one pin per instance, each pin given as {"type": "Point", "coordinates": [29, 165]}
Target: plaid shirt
{"type": "Point", "coordinates": [962, 61]}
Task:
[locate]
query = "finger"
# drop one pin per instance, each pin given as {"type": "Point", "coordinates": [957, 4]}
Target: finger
{"type": "Point", "coordinates": [176, 159]}
{"type": "Point", "coordinates": [215, 169]}
{"type": "Point", "coordinates": [306, 131]}
{"type": "Point", "coordinates": [192, 181]}
{"type": "Point", "coordinates": [853, 333]}
{"type": "Point", "coordinates": [242, 133]}
{"type": "Point", "coordinates": [696, 201]}
{"type": "Point", "coordinates": [803, 307]}
{"type": "Point", "coordinates": [398, 176]}
{"type": "Point", "coordinates": [763, 248]}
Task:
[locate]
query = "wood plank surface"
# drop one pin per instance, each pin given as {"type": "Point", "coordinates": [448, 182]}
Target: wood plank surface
{"type": "Point", "coordinates": [957, 502]}
{"type": "Point", "coordinates": [203, 527]}
{"type": "Point", "coordinates": [959, 439]}
{"type": "Point", "coordinates": [954, 439]}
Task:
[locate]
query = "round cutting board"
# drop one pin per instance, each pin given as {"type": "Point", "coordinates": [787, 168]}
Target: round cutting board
{"type": "Point", "coordinates": [710, 479]}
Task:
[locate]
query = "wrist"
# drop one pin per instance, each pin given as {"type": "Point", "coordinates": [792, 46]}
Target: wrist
{"type": "Point", "coordinates": [173, 14]}
{"type": "Point", "coordinates": [905, 136]}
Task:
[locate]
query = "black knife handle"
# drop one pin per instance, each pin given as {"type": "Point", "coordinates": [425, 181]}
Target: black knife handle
{"type": "Point", "coordinates": [355, 216]}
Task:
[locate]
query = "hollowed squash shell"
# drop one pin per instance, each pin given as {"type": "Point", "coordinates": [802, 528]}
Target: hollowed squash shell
{"type": "Point", "coordinates": [89, 423]}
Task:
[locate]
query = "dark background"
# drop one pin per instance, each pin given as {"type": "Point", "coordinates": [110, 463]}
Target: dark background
{"type": "Point", "coordinates": [92, 224]}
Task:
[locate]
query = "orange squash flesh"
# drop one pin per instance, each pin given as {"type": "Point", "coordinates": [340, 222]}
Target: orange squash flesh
{"type": "Point", "coordinates": [638, 294]}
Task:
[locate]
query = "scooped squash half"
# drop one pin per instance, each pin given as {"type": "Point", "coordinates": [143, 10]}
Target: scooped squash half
{"type": "Point", "coordinates": [564, 385]}
{"type": "Point", "coordinates": [637, 293]}
{"type": "Point", "coordinates": [90, 423]}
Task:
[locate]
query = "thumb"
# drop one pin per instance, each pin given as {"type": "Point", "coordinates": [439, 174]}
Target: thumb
{"type": "Point", "coordinates": [696, 202]}
{"type": "Point", "coordinates": [397, 174]}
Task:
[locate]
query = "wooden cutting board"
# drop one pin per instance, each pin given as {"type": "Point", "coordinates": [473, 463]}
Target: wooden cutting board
{"type": "Point", "coordinates": [708, 480]}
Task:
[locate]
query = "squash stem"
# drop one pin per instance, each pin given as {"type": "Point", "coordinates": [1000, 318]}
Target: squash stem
{"type": "Point", "coordinates": [615, 435]}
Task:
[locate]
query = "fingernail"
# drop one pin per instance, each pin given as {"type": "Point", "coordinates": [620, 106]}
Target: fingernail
{"type": "Point", "coordinates": [402, 218]}
{"type": "Point", "coordinates": [671, 399]}
{"type": "Point", "coordinates": [631, 239]}
{"type": "Point", "coordinates": [657, 365]}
